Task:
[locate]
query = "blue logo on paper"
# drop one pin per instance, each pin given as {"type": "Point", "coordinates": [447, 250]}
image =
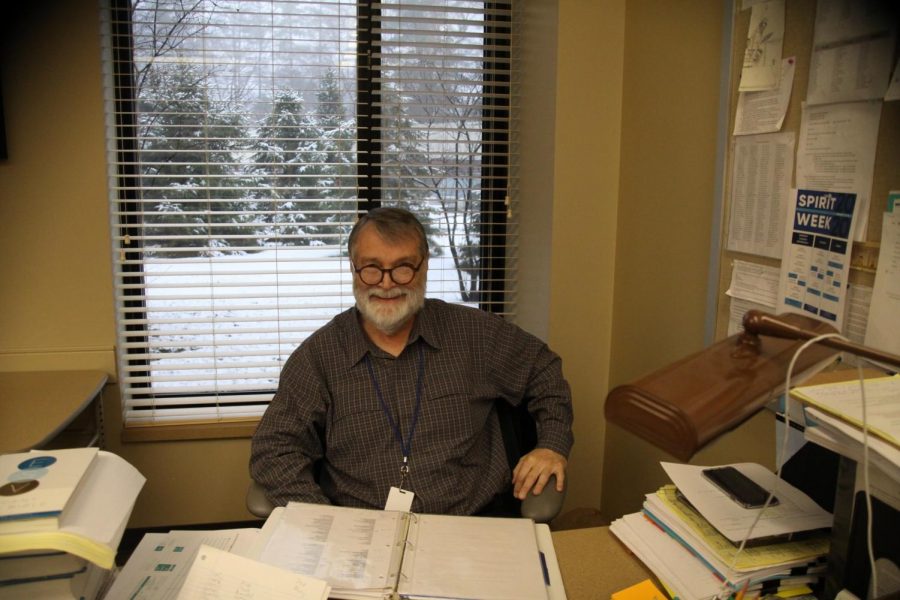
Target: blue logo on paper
{"type": "Point", "coordinates": [38, 462]}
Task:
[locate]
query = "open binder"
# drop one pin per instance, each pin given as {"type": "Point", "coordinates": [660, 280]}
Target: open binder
{"type": "Point", "coordinates": [365, 554]}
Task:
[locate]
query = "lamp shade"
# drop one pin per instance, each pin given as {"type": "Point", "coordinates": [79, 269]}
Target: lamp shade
{"type": "Point", "coordinates": [689, 403]}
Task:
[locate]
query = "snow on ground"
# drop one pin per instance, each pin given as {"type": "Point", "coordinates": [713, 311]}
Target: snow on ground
{"type": "Point", "coordinates": [230, 323]}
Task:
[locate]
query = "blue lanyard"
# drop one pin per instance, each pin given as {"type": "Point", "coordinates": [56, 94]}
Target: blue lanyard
{"type": "Point", "coordinates": [405, 447]}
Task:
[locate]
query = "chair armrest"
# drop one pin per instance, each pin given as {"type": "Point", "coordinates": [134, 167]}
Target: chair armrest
{"type": "Point", "coordinates": [257, 502]}
{"type": "Point", "coordinates": [544, 507]}
{"type": "Point", "coordinates": [541, 508]}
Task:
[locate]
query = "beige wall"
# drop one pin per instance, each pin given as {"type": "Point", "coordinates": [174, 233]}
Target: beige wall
{"type": "Point", "coordinates": [590, 47]}
{"type": "Point", "coordinates": [56, 295]}
{"type": "Point", "coordinates": [630, 161]}
{"type": "Point", "coordinates": [665, 226]}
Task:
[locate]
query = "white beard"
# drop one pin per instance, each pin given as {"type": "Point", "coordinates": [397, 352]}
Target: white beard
{"type": "Point", "coordinates": [389, 319]}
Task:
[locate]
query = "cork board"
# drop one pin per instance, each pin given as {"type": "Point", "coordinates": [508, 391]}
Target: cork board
{"type": "Point", "coordinates": [799, 21]}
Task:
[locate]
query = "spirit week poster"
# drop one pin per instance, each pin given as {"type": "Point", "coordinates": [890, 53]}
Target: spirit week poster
{"type": "Point", "coordinates": [816, 261]}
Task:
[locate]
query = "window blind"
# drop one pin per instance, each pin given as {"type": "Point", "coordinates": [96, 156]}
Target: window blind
{"type": "Point", "coordinates": [244, 138]}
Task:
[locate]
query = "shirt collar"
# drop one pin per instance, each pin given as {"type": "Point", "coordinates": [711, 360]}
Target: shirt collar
{"type": "Point", "coordinates": [425, 328]}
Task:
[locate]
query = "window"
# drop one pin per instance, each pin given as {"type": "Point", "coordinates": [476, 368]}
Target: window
{"type": "Point", "coordinates": [244, 139]}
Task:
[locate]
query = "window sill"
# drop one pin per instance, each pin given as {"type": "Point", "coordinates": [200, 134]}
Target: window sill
{"type": "Point", "coordinates": [212, 430]}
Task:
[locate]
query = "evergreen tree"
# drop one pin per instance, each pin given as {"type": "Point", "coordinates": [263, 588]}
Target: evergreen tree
{"type": "Point", "coordinates": [283, 150]}
{"type": "Point", "coordinates": [191, 177]}
{"type": "Point", "coordinates": [334, 157]}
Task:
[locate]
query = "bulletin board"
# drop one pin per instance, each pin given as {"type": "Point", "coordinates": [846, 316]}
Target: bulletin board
{"type": "Point", "coordinates": [799, 24]}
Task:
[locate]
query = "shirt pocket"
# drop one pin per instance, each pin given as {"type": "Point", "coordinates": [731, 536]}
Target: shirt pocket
{"type": "Point", "coordinates": [456, 414]}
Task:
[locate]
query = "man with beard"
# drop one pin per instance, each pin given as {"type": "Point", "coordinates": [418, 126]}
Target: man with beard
{"type": "Point", "coordinates": [393, 399]}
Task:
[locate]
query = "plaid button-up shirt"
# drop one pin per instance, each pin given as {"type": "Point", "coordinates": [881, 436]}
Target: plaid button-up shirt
{"type": "Point", "coordinates": [326, 409]}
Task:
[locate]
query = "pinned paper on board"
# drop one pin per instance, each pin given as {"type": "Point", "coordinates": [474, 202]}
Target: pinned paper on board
{"type": "Point", "coordinates": [760, 193]}
{"type": "Point", "coordinates": [853, 46]}
{"type": "Point", "coordinates": [816, 264]}
{"type": "Point", "coordinates": [836, 152]}
{"type": "Point", "coordinates": [764, 111]}
{"type": "Point", "coordinates": [762, 54]}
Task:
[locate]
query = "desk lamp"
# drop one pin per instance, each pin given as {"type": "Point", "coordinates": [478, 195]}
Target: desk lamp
{"type": "Point", "coordinates": [689, 403]}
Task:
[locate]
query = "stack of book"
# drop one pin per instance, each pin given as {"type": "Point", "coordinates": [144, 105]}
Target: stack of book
{"type": "Point", "coordinates": [701, 544]}
{"type": "Point", "coordinates": [62, 516]}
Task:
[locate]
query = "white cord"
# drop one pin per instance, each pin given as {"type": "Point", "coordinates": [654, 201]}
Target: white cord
{"type": "Point", "coordinates": [873, 573]}
{"type": "Point", "coordinates": [865, 461]}
{"type": "Point", "coordinates": [779, 456]}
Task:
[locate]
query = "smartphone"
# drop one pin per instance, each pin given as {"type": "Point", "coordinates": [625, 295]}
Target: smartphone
{"type": "Point", "coordinates": [738, 487]}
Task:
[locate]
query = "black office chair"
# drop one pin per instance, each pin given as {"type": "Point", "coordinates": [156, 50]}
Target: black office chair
{"type": "Point", "coordinates": [519, 438]}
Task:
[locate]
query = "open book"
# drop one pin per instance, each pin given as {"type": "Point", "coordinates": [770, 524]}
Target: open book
{"type": "Point", "coordinates": [366, 554]}
{"type": "Point", "coordinates": [39, 485]}
{"type": "Point", "coordinates": [93, 521]}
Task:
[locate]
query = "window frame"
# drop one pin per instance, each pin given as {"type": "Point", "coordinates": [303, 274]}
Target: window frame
{"type": "Point", "coordinates": [495, 199]}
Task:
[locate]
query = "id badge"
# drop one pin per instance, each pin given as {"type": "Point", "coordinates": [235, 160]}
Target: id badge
{"type": "Point", "coordinates": [400, 500]}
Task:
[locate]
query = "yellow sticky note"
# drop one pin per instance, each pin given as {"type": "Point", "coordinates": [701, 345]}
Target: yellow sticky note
{"type": "Point", "coordinates": [644, 590]}
{"type": "Point", "coordinates": [797, 591]}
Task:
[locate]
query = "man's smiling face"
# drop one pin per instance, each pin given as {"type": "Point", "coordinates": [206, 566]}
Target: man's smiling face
{"type": "Point", "coordinates": [387, 305]}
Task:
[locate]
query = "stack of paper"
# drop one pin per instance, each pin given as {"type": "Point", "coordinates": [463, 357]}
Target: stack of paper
{"type": "Point", "coordinates": [82, 580]}
{"type": "Point", "coordinates": [844, 400]}
{"type": "Point", "coordinates": [219, 574]}
{"type": "Point", "coordinates": [63, 514]}
{"type": "Point", "coordinates": [834, 414]}
{"type": "Point", "coordinates": [690, 535]}
{"type": "Point", "coordinates": [206, 564]}
{"type": "Point", "coordinates": [160, 562]}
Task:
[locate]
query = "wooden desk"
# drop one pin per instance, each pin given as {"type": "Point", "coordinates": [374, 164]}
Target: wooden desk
{"type": "Point", "coordinates": [594, 563]}
{"type": "Point", "coordinates": [36, 408]}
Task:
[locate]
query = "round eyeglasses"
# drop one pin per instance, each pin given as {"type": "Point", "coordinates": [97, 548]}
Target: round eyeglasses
{"type": "Point", "coordinates": [401, 274]}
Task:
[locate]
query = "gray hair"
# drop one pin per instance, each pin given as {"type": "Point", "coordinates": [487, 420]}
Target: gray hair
{"type": "Point", "coordinates": [392, 224]}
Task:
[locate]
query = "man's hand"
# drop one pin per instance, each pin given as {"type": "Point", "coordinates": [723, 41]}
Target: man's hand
{"type": "Point", "coordinates": [534, 470]}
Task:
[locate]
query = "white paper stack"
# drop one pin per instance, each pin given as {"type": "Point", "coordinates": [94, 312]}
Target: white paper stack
{"type": "Point", "coordinates": [697, 552]}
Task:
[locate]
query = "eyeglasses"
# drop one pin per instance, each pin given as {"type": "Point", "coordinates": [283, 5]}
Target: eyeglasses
{"type": "Point", "coordinates": [401, 274]}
